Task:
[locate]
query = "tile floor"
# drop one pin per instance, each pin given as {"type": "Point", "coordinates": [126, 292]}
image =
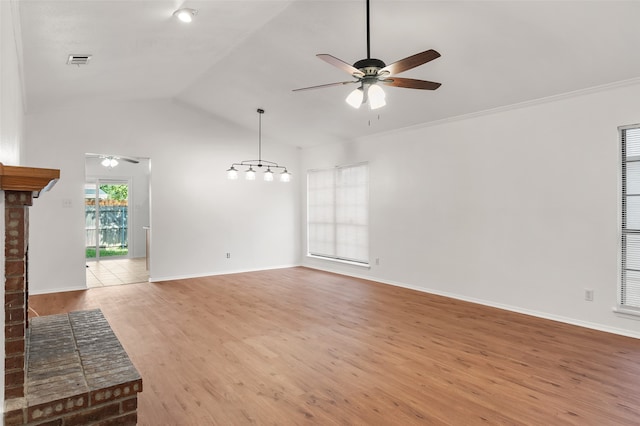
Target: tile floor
{"type": "Point", "coordinates": [110, 272]}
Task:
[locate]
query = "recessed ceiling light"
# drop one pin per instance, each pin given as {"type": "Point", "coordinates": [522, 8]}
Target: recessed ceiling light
{"type": "Point", "coordinates": [185, 14]}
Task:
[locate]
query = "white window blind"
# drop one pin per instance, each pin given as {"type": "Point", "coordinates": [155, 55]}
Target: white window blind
{"type": "Point", "coordinates": [630, 286]}
{"type": "Point", "coordinates": [338, 213]}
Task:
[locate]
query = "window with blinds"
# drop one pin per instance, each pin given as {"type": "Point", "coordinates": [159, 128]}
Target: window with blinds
{"type": "Point", "coordinates": [338, 213]}
{"type": "Point", "coordinates": [630, 287]}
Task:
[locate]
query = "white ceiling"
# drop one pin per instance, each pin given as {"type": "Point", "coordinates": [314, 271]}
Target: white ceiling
{"type": "Point", "coordinates": [240, 55]}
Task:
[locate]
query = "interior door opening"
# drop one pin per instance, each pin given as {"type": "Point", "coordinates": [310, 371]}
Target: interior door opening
{"type": "Point", "coordinates": [117, 219]}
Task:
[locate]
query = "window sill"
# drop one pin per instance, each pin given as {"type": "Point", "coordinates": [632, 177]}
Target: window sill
{"type": "Point", "coordinates": [629, 313]}
{"type": "Point", "coordinates": [347, 262]}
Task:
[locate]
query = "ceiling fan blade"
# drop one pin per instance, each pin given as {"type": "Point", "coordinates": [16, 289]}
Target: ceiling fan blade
{"type": "Point", "coordinates": [410, 83]}
{"type": "Point", "coordinates": [338, 63]}
{"type": "Point", "coordinates": [410, 62]}
{"type": "Point", "coordinates": [131, 160]}
{"type": "Point", "coordinates": [117, 157]}
{"type": "Point", "coordinates": [326, 85]}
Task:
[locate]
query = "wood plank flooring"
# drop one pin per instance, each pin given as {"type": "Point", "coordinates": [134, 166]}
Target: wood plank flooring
{"type": "Point", "coordinates": [298, 346]}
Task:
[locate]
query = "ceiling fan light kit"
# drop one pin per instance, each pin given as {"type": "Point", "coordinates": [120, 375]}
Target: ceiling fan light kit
{"type": "Point", "coordinates": [355, 98]}
{"type": "Point", "coordinates": [250, 173]}
{"type": "Point", "coordinates": [109, 162]}
{"type": "Point", "coordinates": [370, 73]}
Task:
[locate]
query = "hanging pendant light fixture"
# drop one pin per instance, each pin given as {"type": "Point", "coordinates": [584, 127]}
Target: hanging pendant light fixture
{"type": "Point", "coordinates": [250, 173]}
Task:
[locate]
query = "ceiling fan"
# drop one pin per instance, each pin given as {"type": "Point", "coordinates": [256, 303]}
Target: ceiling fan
{"type": "Point", "coordinates": [370, 73]}
{"type": "Point", "coordinates": [111, 161]}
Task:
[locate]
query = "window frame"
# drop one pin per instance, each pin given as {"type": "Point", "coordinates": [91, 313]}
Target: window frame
{"type": "Point", "coordinates": [335, 223]}
{"type": "Point", "coordinates": [622, 296]}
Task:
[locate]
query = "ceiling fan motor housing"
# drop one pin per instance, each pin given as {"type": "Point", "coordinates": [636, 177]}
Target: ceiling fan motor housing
{"type": "Point", "coordinates": [369, 66]}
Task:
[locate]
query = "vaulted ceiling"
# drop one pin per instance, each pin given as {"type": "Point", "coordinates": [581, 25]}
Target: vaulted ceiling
{"type": "Point", "coordinates": [239, 55]}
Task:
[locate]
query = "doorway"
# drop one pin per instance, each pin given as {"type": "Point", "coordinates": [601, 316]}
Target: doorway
{"type": "Point", "coordinates": [117, 217]}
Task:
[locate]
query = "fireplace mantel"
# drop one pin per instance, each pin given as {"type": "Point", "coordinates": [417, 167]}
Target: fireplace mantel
{"type": "Point", "coordinates": [31, 179]}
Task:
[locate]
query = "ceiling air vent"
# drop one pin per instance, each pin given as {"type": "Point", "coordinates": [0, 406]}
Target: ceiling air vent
{"type": "Point", "coordinates": [78, 59]}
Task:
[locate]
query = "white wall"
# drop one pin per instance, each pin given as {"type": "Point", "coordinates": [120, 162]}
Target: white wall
{"type": "Point", "coordinates": [11, 102]}
{"type": "Point", "coordinates": [11, 119]}
{"type": "Point", "coordinates": [197, 215]}
{"type": "Point", "coordinates": [516, 209]}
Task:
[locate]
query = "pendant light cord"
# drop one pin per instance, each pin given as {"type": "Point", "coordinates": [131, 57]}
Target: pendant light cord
{"type": "Point", "coordinates": [260, 112]}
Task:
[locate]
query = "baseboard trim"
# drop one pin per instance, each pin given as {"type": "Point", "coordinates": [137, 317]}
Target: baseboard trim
{"type": "Point", "coordinates": [212, 274]}
{"type": "Point", "coordinates": [56, 290]}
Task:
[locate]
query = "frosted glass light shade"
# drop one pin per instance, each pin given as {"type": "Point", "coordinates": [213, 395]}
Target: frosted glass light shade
{"type": "Point", "coordinates": [232, 173]}
{"type": "Point", "coordinates": [376, 97]}
{"type": "Point", "coordinates": [355, 98]}
{"type": "Point", "coordinates": [109, 162]}
{"type": "Point", "coordinates": [285, 176]}
{"type": "Point", "coordinates": [250, 174]}
{"type": "Point", "coordinates": [268, 175]}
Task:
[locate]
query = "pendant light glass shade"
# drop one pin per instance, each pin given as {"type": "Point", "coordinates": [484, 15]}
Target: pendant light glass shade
{"type": "Point", "coordinates": [355, 98]}
{"type": "Point", "coordinates": [232, 173]}
{"type": "Point", "coordinates": [250, 174]}
{"type": "Point", "coordinates": [376, 97]}
{"type": "Point", "coordinates": [285, 176]}
{"type": "Point", "coordinates": [268, 175]}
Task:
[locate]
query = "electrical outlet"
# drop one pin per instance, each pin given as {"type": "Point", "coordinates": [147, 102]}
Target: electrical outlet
{"type": "Point", "coordinates": [228, 255]}
{"type": "Point", "coordinates": [377, 260]}
{"type": "Point", "coordinates": [66, 203]}
{"type": "Point", "coordinates": [588, 295]}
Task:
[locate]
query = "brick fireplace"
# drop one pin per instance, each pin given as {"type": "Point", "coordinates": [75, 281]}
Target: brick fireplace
{"type": "Point", "coordinates": [65, 369]}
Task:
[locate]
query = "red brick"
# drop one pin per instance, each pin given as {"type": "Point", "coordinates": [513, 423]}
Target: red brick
{"type": "Point", "coordinates": [11, 392]}
{"type": "Point", "coordinates": [15, 283]}
{"type": "Point", "coordinates": [15, 247]}
{"type": "Point", "coordinates": [15, 417]}
{"type": "Point", "coordinates": [15, 316]}
{"type": "Point", "coordinates": [16, 226]}
{"type": "Point", "coordinates": [130, 404]}
{"type": "Point", "coordinates": [14, 362]}
{"type": "Point", "coordinates": [55, 422]}
{"type": "Point", "coordinates": [92, 415]}
{"type": "Point", "coordinates": [111, 393]}
{"type": "Point", "coordinates": [14, 268]}
{"type": "Point", "coordinates": [13, 300]}
{"type": "Point", "coordinates": [18, 198]}
{"type": "Point", "coordinates": [13, 331]}
{"type": "Point", "coordinates": [125, 420]}
{"type": "Point", "coordinates": [60, 407]}
{"type": "Point", "coordinates": [14, 378]}
{"type": "Point", "coordinates": [14, 347]}
{"type": "Point", "coordinates": [15, 216]}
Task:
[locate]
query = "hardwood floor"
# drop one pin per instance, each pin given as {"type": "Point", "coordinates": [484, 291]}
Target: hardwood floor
{"type": "Point", "coordinates": [298, 346]}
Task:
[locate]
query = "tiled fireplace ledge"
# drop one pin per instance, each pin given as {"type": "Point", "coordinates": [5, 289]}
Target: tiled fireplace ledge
{"type": "Point", "coordinates": [77, 374]}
